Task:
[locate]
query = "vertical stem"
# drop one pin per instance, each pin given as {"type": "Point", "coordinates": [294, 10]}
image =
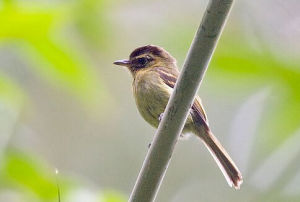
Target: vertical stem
{"type": "Point", "coordinates": [195, 65]}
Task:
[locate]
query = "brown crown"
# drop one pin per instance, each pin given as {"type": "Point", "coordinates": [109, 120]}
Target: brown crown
{"type": "Point", "coordinates": [154, 50]}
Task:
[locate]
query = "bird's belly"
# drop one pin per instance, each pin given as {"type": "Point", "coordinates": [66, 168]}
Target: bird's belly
{"type": "Point", "coordinates": [151, 97]}
{"type": "Point", "coordinates": [151, 100]}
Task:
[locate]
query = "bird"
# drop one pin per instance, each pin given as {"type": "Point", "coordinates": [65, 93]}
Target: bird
{"type": "Point", "coordinates": [155, 72]}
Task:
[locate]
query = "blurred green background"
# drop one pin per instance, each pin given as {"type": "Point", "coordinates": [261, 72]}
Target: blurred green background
{"type": "Point", "coordinates": [65, 107]}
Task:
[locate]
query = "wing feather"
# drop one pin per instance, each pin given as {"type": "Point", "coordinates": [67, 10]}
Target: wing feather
{"type": "Point", "coordinates": [169, 77]}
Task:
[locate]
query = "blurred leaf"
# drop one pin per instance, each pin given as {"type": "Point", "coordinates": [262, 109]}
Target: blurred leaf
{"type": "Point", "coordinates": [270, 171]}
{"type": "Point", "coordinates": [58, 62]}
{"type": "Point", "coordinates": [82, 194]}
{"type": "Point", "coordinates": [10, 93]}
{"type": "Point", "coordinates": [241, 66]}
{"type": "Point", "coordinates": [23, 172]}
{"type": "Point", "coordinates": [293, 188]}
{"type": "Point", "coordinates": [9, 115]}
{"type": "Point", "coordinates": [90, 21]}
{"type": "Point", "coordinates": [60, 65]}
{"type": "Point", "coordinates": [244, 127]}
{"type": "Point", "coordinates": [112, 196]}
{"type": "Point", "coordinates": [183, 39]}
{"type": "Point", "coordinates": [35, 181]}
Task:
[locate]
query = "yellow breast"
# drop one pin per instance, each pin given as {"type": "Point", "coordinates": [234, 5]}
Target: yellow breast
{"type": "Point", "coordinates": [151, 95]}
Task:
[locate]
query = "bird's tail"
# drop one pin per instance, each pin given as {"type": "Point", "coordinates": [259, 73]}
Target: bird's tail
{"type": "Point", "coordinates": [222, 158]}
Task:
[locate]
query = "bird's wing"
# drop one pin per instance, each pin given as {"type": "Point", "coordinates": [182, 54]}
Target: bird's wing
{"type": "Point", "coordinates": [169, 77]}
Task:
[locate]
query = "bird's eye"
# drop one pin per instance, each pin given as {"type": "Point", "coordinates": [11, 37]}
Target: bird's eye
{"type": "Point", "coordinates": [142, 61]}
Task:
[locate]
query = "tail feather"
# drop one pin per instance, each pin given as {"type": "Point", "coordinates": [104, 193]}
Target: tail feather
{"type": "Point", "coordinates": [222, 158]}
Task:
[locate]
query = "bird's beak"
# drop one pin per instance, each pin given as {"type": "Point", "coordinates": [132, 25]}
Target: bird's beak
{"type": "Point", "coordinates": [122, 62]}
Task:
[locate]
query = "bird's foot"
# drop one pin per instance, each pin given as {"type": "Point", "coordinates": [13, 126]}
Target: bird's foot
{"type": "Point", "coordinates": [160, 117]}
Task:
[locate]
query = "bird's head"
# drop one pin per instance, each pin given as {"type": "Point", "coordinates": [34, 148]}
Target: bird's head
{"type": "Point", "coordinates": [147, 57]}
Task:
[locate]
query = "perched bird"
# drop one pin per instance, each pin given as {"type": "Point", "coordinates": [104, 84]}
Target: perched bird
{"type": "Point", "coordinates": [154, 74]}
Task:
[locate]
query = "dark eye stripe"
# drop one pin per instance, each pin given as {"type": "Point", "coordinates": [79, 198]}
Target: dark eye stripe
{"type": "Point", "coordinates": [142, 61]}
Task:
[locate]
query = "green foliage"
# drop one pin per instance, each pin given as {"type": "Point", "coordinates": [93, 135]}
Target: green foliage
{"type": "Point", "coordinates": [241, 66]}
{"type": "Point", "coordinates": [37, 182]}
{"type": "Point", "coordinates": [112, 196]}
{"type": "Point", "coordinates": [89, 15]}
{"type": "Point", "coordinates": [33, 29]}
{"type": "Point", "coordinates": [22, 172]}
{"type": "Point", "coordinates": [10, 93]}
{"type": "Point", "coordinates": [36, 30]}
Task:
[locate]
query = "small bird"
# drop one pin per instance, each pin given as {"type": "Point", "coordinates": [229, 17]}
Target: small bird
{"type": "Point", "coordinates": [155, 73]}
